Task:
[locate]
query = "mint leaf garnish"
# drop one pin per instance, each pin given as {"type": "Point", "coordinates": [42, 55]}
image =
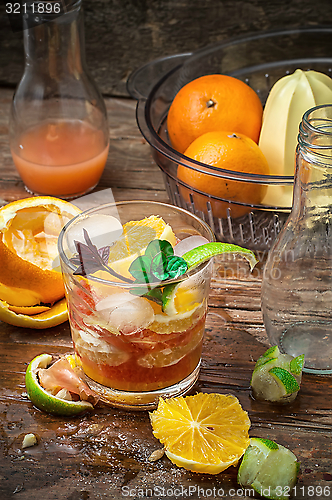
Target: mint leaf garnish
{"type": "Point", "coordinates": [150, 270]}
{"type": "Point", "coordinates": [176, 266]}
{"type": "Point", "coordinates": [158, 264]}
{"type": "Point", "coordinates": [140, 269]}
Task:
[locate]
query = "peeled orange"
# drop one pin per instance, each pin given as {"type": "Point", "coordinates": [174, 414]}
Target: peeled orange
{"type": "Point", "coordinates": [29, 286]}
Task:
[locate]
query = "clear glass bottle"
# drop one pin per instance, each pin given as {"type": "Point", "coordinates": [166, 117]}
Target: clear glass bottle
{"type": "Point", "coordinates": [59, 135]}
{"type": "Point", "coordinates": [297, 280]}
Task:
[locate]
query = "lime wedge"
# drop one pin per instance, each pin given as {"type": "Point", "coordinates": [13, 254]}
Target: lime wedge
{"type": "Point", "coordinates": [269, 468]}
{"type": "Point", "coordinates": [272, 352]}
{"type": "Point", "coordinates": [286, 379]}
{"type": "Point", "coordinates": [44, 400]}
{"type": "Point", "coordinates": [183, 298]}
{"type": "Point", "coordinates": [296, 365]}
{"type": "Point", "coordinates": [204, 252]}
{"type": "Point", "coordinates": [276, 376]}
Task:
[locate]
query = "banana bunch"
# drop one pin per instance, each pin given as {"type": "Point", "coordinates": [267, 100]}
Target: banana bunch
{"type": "Point", "coordinates": [289, 99]}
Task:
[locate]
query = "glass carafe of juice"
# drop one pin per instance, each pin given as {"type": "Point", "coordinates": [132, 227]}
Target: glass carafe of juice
{"type": "Point", "coordinates": [297, 280]}
{"type": "Point", "coordinates": [59, 134]}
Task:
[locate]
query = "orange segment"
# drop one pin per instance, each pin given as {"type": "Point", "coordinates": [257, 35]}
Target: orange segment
{"type": "Point", "coordinates": [136, 237]}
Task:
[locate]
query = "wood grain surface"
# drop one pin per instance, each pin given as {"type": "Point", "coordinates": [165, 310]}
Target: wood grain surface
{"type": "Point", "coordinates": [105, 454]}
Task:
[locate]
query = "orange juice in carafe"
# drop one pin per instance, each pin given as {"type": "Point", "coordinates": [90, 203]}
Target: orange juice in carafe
{"type": "Point", "coordinates": [60, 157]}
{"type": "Point", "coordinates": [58, 130]}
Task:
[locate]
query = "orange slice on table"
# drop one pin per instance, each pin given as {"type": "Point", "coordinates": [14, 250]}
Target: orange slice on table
{"type": "Point", "coordinates": [31, 291]}
{"type": "Point", "coordinates": [204, 433]}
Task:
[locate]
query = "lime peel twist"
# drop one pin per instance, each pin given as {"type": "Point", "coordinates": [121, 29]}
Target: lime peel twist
{"type": "Point", "coordinates": [204, 252]}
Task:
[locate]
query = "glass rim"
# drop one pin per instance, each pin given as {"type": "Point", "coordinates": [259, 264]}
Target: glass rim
{"type": "Point", "coordinates": [85, 213]}
{"type": "Point", "coordinates": [308, 120]}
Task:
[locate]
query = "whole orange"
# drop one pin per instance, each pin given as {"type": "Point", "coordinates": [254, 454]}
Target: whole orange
{"type": "Point", "coordinates": [228, 151]}
{"type": "Point", "coordinates": [211, 103]}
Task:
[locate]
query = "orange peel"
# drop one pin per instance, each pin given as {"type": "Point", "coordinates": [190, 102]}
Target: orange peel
{"type": "Point", "coordinates": [55, 315]}
{"type": "Point", "coordinates": [29, 286]}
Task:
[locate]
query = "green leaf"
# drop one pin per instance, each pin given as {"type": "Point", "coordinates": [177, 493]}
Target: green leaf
{"type": "Point", "coordinates": [166, 248]}
{"type": "Point", "coordinates": [152, 249]}
{"type": "Point", "coordinates": [140, 269]}
{"type": "Point", "coordinates": [141, 291]}
{"type": "Point", "coordinates": [176, 266]}
{"type": "Point", "coordinates": [159, 266]}
{"type": "Point", "coordinates": [157, 246]}
{"type": "Point", "coordinates": [154, 294]}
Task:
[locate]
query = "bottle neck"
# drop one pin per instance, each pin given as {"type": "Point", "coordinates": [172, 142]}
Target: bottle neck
{"type": "Point", "coordinates": [54, 45]}
{"type": "Point", "coordinates": [313, 176]}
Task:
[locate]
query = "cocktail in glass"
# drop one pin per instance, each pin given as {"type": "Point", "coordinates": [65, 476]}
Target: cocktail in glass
{"type": "Point", "coordinates": [137, 316]}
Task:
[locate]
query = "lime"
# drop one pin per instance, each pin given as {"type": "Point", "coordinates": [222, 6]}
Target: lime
{"type": "Point", "coordinates": [182, 298]}
{"type": "Point", "coordinates": [286, 379]}
{"type": "Point", "coordinates": [204, 252]}
{"type": "Point", "coordinates": [44, 400]}
{"type": "Point", "coordinates": [296, 365]}
{"type": "Point", "coordinates": [276, 376]}
{"type": "Point", "coordinates": [269, 468]}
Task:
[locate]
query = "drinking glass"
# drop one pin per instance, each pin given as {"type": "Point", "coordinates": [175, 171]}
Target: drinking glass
{"type": "Point", "coordinates": [134, 341]}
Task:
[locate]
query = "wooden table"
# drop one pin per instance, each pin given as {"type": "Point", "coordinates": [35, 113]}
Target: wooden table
{"type": "Point", "coordinates": [105, 454]}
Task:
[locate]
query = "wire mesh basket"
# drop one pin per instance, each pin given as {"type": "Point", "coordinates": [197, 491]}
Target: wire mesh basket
{"type": "Point", "coordinates": [259, 60]}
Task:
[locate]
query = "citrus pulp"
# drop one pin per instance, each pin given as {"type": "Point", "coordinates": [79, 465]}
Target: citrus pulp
{"type": "Point", "coordinates": [204, 433]}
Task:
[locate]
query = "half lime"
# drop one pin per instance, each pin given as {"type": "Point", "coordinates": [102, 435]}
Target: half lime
{"type": "Point", "coordinates": [44, 400]}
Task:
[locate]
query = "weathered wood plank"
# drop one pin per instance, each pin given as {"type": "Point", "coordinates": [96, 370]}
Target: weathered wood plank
{"type": "Point", "coordinates": [123, 35]}
{"type": "Point", "coordinates": [107, 451]}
